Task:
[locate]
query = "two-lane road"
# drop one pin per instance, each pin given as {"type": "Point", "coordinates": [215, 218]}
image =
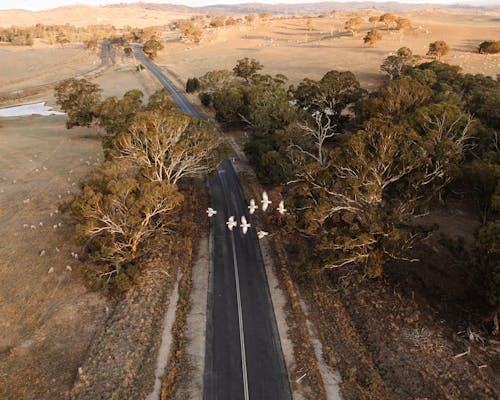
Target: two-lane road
{"type": "Point", "coordinates": [243, 358]}
{"type": "Point", "coordinates": [181, 100]}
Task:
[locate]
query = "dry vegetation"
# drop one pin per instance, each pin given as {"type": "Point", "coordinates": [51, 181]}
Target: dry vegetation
{"type": "Point", "coordinates": [45, 308]}
{"type": "Point", "coordinates": [42, 314]}
{"type": "Point", "coordinates": [287, 46]}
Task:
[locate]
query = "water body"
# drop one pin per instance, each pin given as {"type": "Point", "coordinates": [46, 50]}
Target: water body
{"type": "Point", "coordinates": [28, 109]}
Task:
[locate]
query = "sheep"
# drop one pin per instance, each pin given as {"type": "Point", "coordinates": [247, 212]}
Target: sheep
{"type": "Point", "coordinates": [51, 269]}
{"type": "Point", "coordinates": [68, 268]}
{"type": "Point", "coordinates": [42, 253]}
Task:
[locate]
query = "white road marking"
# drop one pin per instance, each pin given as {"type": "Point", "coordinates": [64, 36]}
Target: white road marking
{"type": "Point", "coordinates": [240, 321]}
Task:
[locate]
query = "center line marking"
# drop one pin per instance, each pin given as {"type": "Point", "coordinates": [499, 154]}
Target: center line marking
{"type": "Point", "coordinates": [240, 320]}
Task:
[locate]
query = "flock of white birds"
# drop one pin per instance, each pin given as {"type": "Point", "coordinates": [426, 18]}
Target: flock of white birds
{"type": "Point", "coordinates": [232, 223]}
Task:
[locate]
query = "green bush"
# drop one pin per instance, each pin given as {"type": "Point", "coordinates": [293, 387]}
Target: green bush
{"type": "Point", "coordinates": [206, 99]}
{"type": "Point", "coordinates": [192, 85]}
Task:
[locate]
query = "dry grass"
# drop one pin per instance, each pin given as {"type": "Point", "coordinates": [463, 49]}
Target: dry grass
{"type": "Point", "coordinates": [285, 46]}
{"type": "Point", "coordinates": [42, 315]}
{"type": "Point", "coordinates": [25, 67]}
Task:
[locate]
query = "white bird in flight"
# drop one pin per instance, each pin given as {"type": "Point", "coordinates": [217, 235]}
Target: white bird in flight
{"type": "Point", "coordinates": [244, 224]}
{"type": "Point", "coordinates": [262, 234]}
{"type": "Point", "coordinates": [211, 212]}
{"type": "Point", "coordinates": [231, 223]}
{"type": "Point", "coordinates": [265, 201]}
{"type": "Point", "coordinates": [281, 207]}
{"type": "Point", "coordinates": [252, 207]}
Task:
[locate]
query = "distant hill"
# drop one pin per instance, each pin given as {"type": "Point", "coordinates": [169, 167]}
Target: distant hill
{"type": "Point", "coordinates": [148, 14]}
{"type": "Point", "coordinates": [305, 8]}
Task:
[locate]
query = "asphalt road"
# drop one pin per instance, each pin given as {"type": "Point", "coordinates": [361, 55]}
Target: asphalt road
{"type": "Point", "coordinates": [183, 103]}
{"type": "Point", "coordinates": [106, 52]}
{"type": "Point", "coordinates": [243, 356]}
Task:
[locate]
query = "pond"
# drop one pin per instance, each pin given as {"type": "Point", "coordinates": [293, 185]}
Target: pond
{"type": "Point", "coordinates": [28, 109]}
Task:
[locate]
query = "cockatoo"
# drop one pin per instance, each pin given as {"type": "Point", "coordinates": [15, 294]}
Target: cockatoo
{"type": "Point", "coordinates": [211, 212]}
{"type": "Point", "coordinates": [231, 223]}
{"type": "Point", "coordinates": [262, 234]}
{"type": "Point", "coordinates": [281, 208]}
{"type": "Point", "coordinates": [252, 207]}
{"type": "Point", "coordinates": [244, 224]}
{"type": "Point", "coordinates": [265, 201]}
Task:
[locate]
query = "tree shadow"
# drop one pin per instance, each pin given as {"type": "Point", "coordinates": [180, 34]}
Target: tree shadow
{"type": "Point", "coordinates": [468, 46]}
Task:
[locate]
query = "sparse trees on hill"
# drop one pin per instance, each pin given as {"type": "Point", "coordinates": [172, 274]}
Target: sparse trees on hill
{"type": "Point", "coordinates": [353, 24]}
{"type": "Point", "coordinates": [387, 19]}
{"type": "Point", "coordinates": [372, 37]}
{"type": "Point", "coordinates": [373, 20]}
{"type": "Point", "coordinates": [190, 32]}
{"type": "Point", "coordinates": [438, 49]}
{"type": "Point", "coordinates": [403, 23]}
{"type": "Point", "coordinates": [151, 48]}
{"type": "Point", "coordinates": [217, 22]}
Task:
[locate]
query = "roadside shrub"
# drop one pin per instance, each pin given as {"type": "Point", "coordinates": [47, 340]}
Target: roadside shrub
{"type": "Point", "coordinates": [192, 85]}
{"type": "Point", "coordinates": [206, 99]}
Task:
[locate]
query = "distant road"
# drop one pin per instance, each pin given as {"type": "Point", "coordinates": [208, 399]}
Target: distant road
{"type": "Point", "coordinates": [106, 52]}
{"type": "Point", "coordinates": [243, 356]}
{"type": "Point", "coordinates": [184, 104]}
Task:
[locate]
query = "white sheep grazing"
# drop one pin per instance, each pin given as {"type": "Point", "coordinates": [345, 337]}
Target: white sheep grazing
{"type": "Point", "coordinates": [51, 269]}
{"type": "Point", "coordinates": [42, 253]}
{"type": "Point", "coordinates": [26, 201]}
{"type": "Point", "coordinates": [57, 249]}
{"type": "Point", "coordinates": [68, 268]}
{"type": "Point", "coordinates": [59, 224]}
{"type": "Point", "coordinates": [41, 224]}
{"type": "Point", "coordinates": [32, 227]}
{"type": "Point", "coordinates": [75, 256]}
{"type": "Point", "coordinates": [54, 226]}
{"type": "Point", "coordinates": [51, 214]}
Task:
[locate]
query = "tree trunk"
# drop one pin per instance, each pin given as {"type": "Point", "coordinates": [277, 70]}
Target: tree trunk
{"type": "Point", "coordinates": [375, 265]}
{"type": "Point", "coordinates": [496, 325]}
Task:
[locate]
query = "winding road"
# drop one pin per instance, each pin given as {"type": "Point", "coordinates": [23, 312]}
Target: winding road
{"type": "Point", "coordinates": [243, 356]}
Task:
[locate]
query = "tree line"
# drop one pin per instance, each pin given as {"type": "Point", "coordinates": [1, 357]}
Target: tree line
{"type": "Point", "coordinates": [357, 168]}
{"type": "Point", "coordinates": [134, 193]}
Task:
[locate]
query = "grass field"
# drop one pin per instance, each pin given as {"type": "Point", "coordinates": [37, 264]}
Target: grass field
{"type": "Point", "coordinates": [47, 319]}
{"type": "Point", "coordinates": [287, 47]}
